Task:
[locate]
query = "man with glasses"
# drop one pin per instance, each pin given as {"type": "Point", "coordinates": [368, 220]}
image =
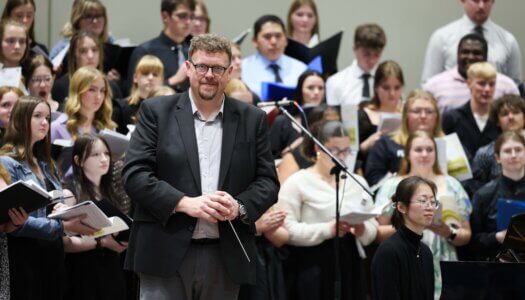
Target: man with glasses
{"type": "Point", "coordinates": [450, 87]}
{"type": "Point", "coordinates": [471, 121]}
{"type": "Point", "coordinates": [504, 51]}
{"type": "Point", "coordinates": [200, 171]}
{"type": "Point", "coordinates": [171, 46]}
{"type": "Point", "coordinates": [269, 63]}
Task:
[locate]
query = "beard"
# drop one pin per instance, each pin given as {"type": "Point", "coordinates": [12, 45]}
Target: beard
{"type": "Point", "coordinates": [208, 92]}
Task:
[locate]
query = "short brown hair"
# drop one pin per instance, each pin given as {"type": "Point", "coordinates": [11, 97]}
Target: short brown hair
{"type": "Point", "coordinates": [505, 137]}
{"type": "Point", "coordinates": [370, 36]}
{"type": "Point", "coordinates": [511, 102]}
{"type": "Point", "coordinates": [170, 5]}
{"type": "Point", "coordinates": [210, 42]}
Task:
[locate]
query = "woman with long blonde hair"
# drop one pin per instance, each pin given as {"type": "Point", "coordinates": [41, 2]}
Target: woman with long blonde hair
{"type": "Point", "coordinates": [419, 112]}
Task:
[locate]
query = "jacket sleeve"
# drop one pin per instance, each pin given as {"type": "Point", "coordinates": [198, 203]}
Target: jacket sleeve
{"type": "Point", "coordinates": [261, 194]}
{"type": "Point", "coordinates": [140, 180]}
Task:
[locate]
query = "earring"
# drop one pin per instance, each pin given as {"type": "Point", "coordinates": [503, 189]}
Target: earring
{"type": "Point", "coordinates": [318, 154]}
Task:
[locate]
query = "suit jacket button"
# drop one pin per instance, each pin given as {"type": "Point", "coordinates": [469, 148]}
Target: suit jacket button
{"type": "Point", "coordinates": [190, 228]}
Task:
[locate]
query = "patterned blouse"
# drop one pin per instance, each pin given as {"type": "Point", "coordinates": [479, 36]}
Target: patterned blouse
{"type": "Point", "coordinates": [456, 208]}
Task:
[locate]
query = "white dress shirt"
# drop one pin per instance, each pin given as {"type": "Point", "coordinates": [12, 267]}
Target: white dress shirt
{"type": "Point", "coordinates": [346, 86]}
{"type": "Point", "coordinates": [504, 51]}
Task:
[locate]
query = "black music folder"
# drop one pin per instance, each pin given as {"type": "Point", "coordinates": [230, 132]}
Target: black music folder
{"type": "Point", "coordinates": [327, 49]}
{"type": "Point", "coordinates": [26, 194]}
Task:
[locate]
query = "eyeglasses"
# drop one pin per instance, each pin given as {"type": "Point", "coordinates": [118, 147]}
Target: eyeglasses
{"type": "Point", "coordinates": [337, 152]}
{"type": "Point", "coordinates": [184, 16]}
{"type": "Point", "coordinates": [40, 79]}
{"type": "Point", "coordinates": [432, 203]}
{"type": "Point", "coordinates": [93, 18]}
{"type": "Point", "coordinates": [427, 111]}
{"type": "Point", "coordinates": [202, 69]}
{"type": "Point", "coordinates": [200, 19]}
{"type": "Point", "coordinates": [13, 40]}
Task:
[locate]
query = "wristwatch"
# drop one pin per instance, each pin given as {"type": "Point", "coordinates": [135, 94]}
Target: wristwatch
{"type": "Point", "coordinates": [243, 216]}
{"type": "Point", "coordinates": [453, 234]}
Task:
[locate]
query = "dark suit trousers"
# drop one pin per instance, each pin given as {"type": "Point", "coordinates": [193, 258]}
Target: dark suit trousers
{"type": "Point", "coordinates": [201, 276]}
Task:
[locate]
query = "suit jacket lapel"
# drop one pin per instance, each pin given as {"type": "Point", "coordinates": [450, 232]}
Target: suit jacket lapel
{"type": "Point", "coordinates": [184, 117]}
{"type": "Point", "coordinates": [229, 131]}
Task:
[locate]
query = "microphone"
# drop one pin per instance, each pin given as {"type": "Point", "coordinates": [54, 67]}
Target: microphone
{"type": "Point", "coordinates": [276, 103]}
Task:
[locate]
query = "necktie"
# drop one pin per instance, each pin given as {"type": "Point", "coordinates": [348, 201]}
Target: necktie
{"type": "Point", "coordinates": [275, 69]}
{"type": "Point", "coordinates": [180, 56]}
{"type": "Point", "coordinates": [366, 85]}
{"type": "Point", "coordinates": [479, 30]}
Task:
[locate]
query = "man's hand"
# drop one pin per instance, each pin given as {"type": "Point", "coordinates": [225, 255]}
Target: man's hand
{"type": "Point", "coordinates": [227, 201]}
{"type": "Point", "coordinates": [203, 207]}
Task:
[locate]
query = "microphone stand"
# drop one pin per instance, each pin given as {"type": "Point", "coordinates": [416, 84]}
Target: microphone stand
{"type": "Point", "coordinates": [336, 171]}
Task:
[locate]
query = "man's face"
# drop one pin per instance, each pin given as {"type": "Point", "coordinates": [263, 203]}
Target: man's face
{"type": "Point", "coordinates": [178, 23]}
{"type": "Point", "coordinates": [209, 85]}
{"type": "Point", "coordinates": [469, 52]}
{"type": "Point", "coordinates": [367, 58]}
{"type": "Point", "coordinates": [482, 90]}
{"type": "Point", "coordinates": [270, 41]}
{"type": "Point", "coordinates": [478, 11]}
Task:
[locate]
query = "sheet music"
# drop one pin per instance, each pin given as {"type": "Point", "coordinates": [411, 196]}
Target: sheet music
{"type": "Point", "coordinates": [57, 61]}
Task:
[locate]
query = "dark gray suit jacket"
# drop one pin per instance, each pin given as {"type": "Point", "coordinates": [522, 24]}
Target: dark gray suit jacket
{"type": "Point", "coordinates": [162, 166]}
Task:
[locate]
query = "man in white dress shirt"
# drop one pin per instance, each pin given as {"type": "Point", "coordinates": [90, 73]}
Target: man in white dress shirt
{"type": "Point", "coordinates": [504, 51]}
{"type": "Point", "coordinates": [354, 84]}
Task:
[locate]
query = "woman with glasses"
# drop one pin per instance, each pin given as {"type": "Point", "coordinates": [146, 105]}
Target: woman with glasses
{"type": "Point", "coordinates": [201, 20]}
{"type": "Point", "coordinates": [88, 15]}
{"type": "Point", "coordinates": [303, 22]}
{"type": "Point", "coordinates": [420, 112]}
{"type": "Point", "coordinates": [308, 197]}
{"type": "Point", "coordinates": [23, 11]}
{"type": "Point", "coordinates": [402, 267]}
{"type": "Point", "coordinates": [388, 89]}
{"type": "Point", "coordinates": [509, 153]}
{"type": "Point", "coordinates": [451, 227]}
{"type": "Point", "coordinates": [39, 75]}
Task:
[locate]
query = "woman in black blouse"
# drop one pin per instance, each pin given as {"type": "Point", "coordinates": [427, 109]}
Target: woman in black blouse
{"type": "Point", "coordinates": [388, 88]}
{"type": "Point", "coordinates": [402, 267]}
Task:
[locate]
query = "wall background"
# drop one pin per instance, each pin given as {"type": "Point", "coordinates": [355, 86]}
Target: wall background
{"type": "Point", "coordinates": [408, 23]}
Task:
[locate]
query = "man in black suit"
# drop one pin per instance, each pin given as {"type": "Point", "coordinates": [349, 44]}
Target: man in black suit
{"type": "Point", "coordinates": [196, 161]}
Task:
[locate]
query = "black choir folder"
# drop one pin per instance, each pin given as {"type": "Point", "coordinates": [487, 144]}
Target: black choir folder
{"type": "Point", "coordinates": [327, 49]}
{"type": "Point", "coordinates": [26, 194]}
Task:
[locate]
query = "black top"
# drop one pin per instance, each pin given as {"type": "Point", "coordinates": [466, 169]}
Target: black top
{"type": "Point", "coordinates": [282, 134]}
{"type": "Point", "coordinates": [166, 50]}
{"type": "Point", "coordinates": [385, 156]}
{"type": "Point", "coordinates": [128, 113]}
{"type": "Point", "coordinates": [402, 268]}
{"type": "Point", "coordinates": [302, 161]}
{"type": "Point", "coordinates": [483, 244]}
{"type": "Point", "coordinates": [366, 129]}
{"type": "Point", "coordinates": [461, 121]}
{"type": "Point", "coordinates": [37, 44]}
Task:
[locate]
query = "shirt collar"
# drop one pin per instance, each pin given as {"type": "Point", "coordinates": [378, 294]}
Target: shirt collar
{"type": "Point", "coordinates": [266, 62]}
{"type": "Point", "coordinates": [466, 20]}
{"type": "Point", "coordinates": [196, 113]}
{"type": "Point", "coordinates": [359, 72]}
{"type": "Point", "coordinates": [457, 77]}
